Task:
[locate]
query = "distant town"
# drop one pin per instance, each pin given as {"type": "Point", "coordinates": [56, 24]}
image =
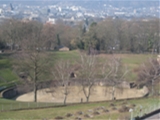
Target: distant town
{"type": "Point", "coordinates": [74, 12]}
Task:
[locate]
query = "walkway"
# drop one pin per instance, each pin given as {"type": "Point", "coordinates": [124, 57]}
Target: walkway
{"type": "Point", "coordinates": [154, 117]}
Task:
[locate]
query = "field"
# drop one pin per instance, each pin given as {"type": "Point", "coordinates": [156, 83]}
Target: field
{"type": "Point", "coordinates": [112, 107]}
{"type": "Point", "coordinates": [8, 78]}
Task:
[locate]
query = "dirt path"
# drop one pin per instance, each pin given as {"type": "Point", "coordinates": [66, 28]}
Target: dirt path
{"type": "Point", "coordinates": [99, 93]}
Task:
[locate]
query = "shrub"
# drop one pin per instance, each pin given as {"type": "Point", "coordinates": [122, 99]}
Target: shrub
{"type": "Point", "coordinates": [79, 113]}
{"type": "Point", "coordinates": [87, 116]}
{"type": "Point", "coordinates": [123, 109]}
{"type": "Point", "coordinates": [105, 110]}
{"type": "Point", "coordinates": [69, 115]}
{"type": "Point", "coordinates": [124, 103]}
{"type": "Point", "coordinates": [96, 113]}
{"type": "Point", "coordinates": [59, 118]}
{"type": "Point", "coordinates": [114, 108]}
{"type": "Point", "coordinates": [132, 105]}
{"type": "Point", "coordinates": [112, 104]}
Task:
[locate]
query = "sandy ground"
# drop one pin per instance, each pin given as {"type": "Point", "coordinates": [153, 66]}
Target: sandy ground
{"type": "Point", "coordinates": [99, 93]}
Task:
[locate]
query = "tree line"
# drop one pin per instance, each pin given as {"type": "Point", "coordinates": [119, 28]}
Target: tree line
{"type": "Point", "coordinates": [109, 35]}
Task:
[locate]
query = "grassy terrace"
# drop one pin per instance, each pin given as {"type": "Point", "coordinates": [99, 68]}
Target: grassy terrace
{"type": "Point", "coordinates": [51, 113]}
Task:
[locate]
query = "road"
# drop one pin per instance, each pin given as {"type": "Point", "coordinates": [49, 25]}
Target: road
{"type": "Point", "coordinates": [154, 117]}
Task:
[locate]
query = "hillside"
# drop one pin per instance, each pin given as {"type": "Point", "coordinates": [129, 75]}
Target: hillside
{"type": "Point", "coordinates": [131, 60]}
{"type": "Point", "coordinates": [7, 76]}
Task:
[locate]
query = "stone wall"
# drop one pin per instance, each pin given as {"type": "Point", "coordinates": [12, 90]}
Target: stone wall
{"type": "Point", "coordinates": [9, 93]}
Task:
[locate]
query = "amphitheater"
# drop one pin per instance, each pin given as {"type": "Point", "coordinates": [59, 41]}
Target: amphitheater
{"type": "Point", "coordinates": [99, 93]}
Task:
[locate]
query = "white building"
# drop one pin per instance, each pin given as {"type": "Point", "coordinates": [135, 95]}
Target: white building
{"type": "Point", "coordinates": [1, 11]}
{"type": "Point", "coordinates": [51, 20]}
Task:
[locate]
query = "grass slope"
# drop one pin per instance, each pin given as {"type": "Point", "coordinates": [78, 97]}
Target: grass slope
{"type": "Point", "coordinates": [7, 105]}
{"type": "Point", "coordinates": [6, 74]}
{"type": "Point", "coordinates": [51, 113]}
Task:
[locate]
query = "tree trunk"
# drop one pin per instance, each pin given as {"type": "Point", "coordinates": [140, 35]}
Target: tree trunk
{"type": "Point", "coordinates": [35, 92]}
{"type": "Point", "coordinates": [87, 99]}
{"type": "Point", "coordinates": [152, 87]}
{"type": "Point", "coordinates": [35, 83]}
{"type": "Point", "coordinates": [65, 98]}
{"type": "Point", "coordinates": [113, 91]}
{"type": "Point", "coordinates": [11, 46]}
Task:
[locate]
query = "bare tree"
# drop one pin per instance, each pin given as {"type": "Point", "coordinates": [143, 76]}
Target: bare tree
{"type": "Point", "coordinates": [33, 60]}
{"type": "Point", "coordinates": [33, 64]}
{"type": "Point", "coordinates": [49, 31]}
{"type": "Point", "coordinates": [66, 34]}
{"type": "Point", "coordinates": [113, 73]}
{"type": "Point", "coordinates": [12, 31]}
{"type": "Point", "coordinates": [149, 74]}
{"type": "Point", "coordinates": [87, 74]}
{"type": "Point", "coordinates": [62, 75]}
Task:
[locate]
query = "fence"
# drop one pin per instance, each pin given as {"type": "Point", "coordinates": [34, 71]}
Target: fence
{"type": "Point", "coordinates": [139, 111]}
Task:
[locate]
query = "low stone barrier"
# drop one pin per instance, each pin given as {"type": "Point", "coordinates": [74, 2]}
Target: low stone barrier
{"type": "Point", "coordinates": [9, 93]}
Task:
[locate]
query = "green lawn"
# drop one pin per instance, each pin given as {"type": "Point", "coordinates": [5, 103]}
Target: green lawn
{"type": "Point", "coordinates": [6, 74]}
{"type": "Point", "coordinates": [133, 61]}
{"type": "Point", "coordinates": [7, 105]}
{"type": "Point", "coordinates": [51, 113]}
{"type": "Point", "coordinates": [66, 54]}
